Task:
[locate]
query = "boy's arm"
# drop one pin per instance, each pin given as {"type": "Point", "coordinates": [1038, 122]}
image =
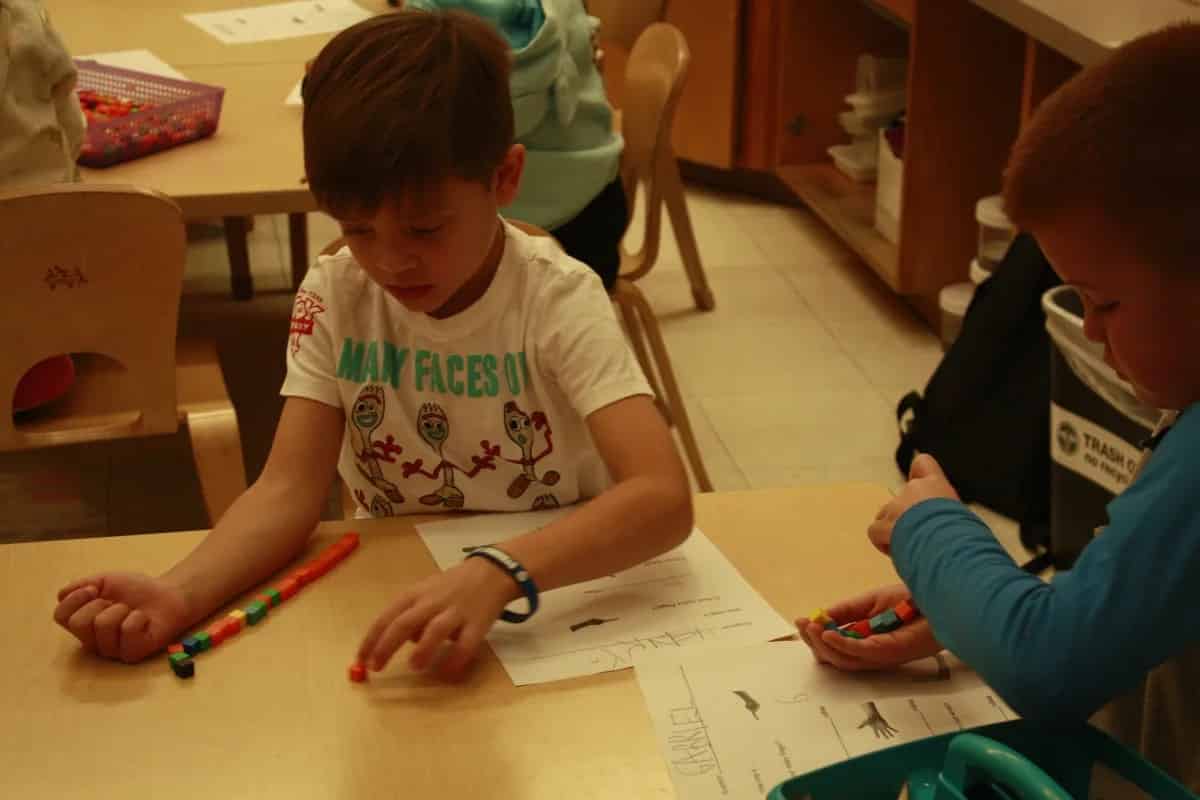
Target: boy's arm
{"type": "Point", "coordinates": [272, 520]}
{"type": "Point", "coordinates": [1066, 648]}
{"type": "Point", "coordinates": [647, 511]}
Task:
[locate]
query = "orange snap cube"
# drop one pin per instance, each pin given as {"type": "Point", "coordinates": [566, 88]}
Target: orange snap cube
{"type": "Point", "coordinates": [906, 611]}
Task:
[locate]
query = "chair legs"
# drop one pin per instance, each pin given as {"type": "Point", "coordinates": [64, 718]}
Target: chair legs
{"type": "Point", "coordinates": [236, 231]}
{"type": "Point", "coordinates": [298, 245]}
{"type": "Point", "coordinates": [685, 237]}
{"type": "Point", "coordinates": [633, 328]}
{"type": "Point", "coordinates": [643, 328]}
{"type": "Point", "coordinates": [217, 450]}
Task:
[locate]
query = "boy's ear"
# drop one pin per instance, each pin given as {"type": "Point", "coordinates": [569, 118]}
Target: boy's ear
{"type": "Point", "coordinates": [507, 180]}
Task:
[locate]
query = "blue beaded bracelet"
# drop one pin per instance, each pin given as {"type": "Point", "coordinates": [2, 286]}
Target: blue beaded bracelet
{"type": "Point", "coordinates": [518, 574]}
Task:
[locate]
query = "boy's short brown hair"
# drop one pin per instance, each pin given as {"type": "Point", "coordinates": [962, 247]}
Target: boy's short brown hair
{"type": "Point", "coordinates": [402, 100]}
{"type": "Point", "coordinates": [1121, 141]}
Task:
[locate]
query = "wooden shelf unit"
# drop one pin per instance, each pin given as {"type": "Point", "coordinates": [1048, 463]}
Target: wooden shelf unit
{"type": "Point", "coordinates": [849, 209]}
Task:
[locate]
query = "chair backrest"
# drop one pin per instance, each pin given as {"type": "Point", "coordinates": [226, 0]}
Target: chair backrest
{"type": "Point", "coordinates": [654, 80]}
{"type": "Point", "coordinates": [622, 21]}
{"type": "Point", "coordinates": [92, 269]}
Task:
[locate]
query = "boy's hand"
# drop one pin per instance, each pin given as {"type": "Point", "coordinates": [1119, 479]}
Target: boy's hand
{"type": "Point", "coordinates": [122, 615]}
{"type": "Point", "coordinates": [459, 606]}
{"type": "Point", "coordinates": [925, 482]}
{"type": "Point", "coordinates": [910, 642]}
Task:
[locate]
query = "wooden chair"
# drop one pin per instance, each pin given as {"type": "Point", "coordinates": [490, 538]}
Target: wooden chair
{"type": "Point", "coordinates": [654, 77]}
{"type": "Point", "coordinates": [97, 271]}
{"type": "Point", "coordinates": [622, 21]}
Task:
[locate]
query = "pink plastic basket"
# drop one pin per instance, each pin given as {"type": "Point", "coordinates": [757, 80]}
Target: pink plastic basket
{"type": "Point", "coordinates": [183, 112]}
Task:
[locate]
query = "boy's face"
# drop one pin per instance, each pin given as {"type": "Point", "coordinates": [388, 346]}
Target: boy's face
{"type": "Point", "coordinates": [436, 250]}
{"type": "Point", "coordinates": [1146, 317]}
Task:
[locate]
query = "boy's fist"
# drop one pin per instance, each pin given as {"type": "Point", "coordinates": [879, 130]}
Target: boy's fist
{"type": "Point", "coordinates": [122, 615]}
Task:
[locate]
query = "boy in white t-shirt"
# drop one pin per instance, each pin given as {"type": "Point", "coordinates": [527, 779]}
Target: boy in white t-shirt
{"type": "Point", "coordinates": [442, 360]}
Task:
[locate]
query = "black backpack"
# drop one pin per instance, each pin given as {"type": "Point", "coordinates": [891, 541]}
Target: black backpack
{"type": "Point", "coordinates": [985, 413]}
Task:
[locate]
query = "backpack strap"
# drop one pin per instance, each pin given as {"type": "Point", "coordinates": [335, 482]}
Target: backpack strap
{"type": "Point", "coordinates": [908, 419]}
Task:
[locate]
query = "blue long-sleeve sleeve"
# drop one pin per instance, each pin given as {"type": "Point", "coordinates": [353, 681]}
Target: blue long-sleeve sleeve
{"type": "Point", "coordinates": [1063, 649]}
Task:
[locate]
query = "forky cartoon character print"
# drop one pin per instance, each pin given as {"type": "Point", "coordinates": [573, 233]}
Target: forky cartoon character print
{"type": "Point", "coordinates": [521, 428]}
{"type": "Point", "coordinates": [365, 419]}
{"type": "Point", "coordinates": [434, 427]}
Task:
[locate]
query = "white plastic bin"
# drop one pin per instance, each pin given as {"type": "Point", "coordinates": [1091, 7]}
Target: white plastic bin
{"type": "Point", "coordinates": [995, 231]}
{"type": "Point", "coordinates": [879, 73]}
{"type": "Point", "coordinates": [856, 160]}
{"type": "Point", "coordinates": [889, 180]}
{"type": "Point", "coordinates": [953, 300]}
{"type": "Point", "coordinates": [874, 108]}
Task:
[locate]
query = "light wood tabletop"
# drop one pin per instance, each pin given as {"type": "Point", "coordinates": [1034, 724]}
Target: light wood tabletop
{"type": "Point", "coordinates": [90, 27]}
{"type": "Point", "coordinates": [271, 714]}
{"type": "Point", "coordinates": [253, 164]}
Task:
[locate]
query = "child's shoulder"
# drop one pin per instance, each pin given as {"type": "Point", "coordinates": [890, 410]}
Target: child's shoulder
{"type": "Point", "coordinates": [337, 276]}
{"type": "Point", "coordinates": [548, 268]}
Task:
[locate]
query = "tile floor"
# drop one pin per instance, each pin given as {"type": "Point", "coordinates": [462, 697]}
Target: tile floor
{"type": "Point", "coordinates": [792, 379]}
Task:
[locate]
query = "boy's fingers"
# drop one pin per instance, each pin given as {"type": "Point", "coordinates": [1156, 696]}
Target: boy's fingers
{"type": "Point", "coordinates": [77, 584]}
{"type": "Point", "coordinates": [880, 534]}
{"type": "Point", "coordinates": [136, 623]}
{"type": "Point", "coordinates": [72, 602]}
{"type": "Point", "coordinates": [464, 650]}
{"type": "Point", "coordinates": [401, 629]}
{"type": "Point", "coordinates": [828, 655]}
{"type": "Point", "coordinates": [379, 626]}
{"type": "Point", "coordinates": [849, 654]}
{"type": "Point", "coordinates": [136, 643]}
{"type": "Point", "coordinates": [436, 631]}
{"type": "Point", "coordinates": [107, 627]}
{"type": "Point", "coordinates": [82, 622]}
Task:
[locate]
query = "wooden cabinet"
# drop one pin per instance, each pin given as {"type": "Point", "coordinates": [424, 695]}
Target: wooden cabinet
{"type": "Point", "coordinates": [769, 79]}
{"type": "Point", "coordinates": [964, 96]}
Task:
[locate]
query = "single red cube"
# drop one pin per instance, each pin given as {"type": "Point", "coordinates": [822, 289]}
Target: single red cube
{"type": "Point", "coordinates": [906, 611]}
{"type": "Point", "coordinates": [174, 648]}
{"type": "Point", "coordinates": [358, 672]}
{"type": "Point", "coordinates": [862, 627]}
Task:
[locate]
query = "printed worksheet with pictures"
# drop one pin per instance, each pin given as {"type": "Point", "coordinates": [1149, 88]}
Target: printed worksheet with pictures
{"type": "Point", "coordinates": [736, 722]}
{"type": "Point", "coordinates": [279, 20]}
{"type": "Point", "coordinates": [688, 597]}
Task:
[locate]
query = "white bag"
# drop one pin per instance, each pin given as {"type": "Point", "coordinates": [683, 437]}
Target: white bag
{"type": "Point", "coordinates": [41, 123]}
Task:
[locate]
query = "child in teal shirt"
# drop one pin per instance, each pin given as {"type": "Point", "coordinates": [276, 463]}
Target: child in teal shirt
{"type": "Point", "coordinates": [562, 115]}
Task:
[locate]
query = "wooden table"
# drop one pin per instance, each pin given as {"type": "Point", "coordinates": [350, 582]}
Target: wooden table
{"type": "Point", "coordinates": [254, 163]}
{"type": "Point", "coordinates": [272, 714]}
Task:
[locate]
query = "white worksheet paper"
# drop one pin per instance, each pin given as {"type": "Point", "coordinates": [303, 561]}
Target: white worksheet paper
{"type": "Point", "coordinates": [139, 60]}
{"type": "Point", "coordinates": [687, 597]}
{"type": "Point", "coordinates": [736, 722]}
{"type": "Point", "coordinates": [279, 21]}
{"type": "Point", "coordinates": [294, 97]}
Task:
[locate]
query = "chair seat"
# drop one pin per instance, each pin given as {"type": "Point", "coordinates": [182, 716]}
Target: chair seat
{"type": "Point", "coordinates": [99, 406]}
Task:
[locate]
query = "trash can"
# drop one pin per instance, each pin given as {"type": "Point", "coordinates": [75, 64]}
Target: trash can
{"type": "Point", "coordinates": [1097, 426]}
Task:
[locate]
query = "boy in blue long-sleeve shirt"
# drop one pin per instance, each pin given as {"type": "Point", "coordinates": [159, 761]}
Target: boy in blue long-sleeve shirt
{"type": "Point", "coordinates": [1107, 177]}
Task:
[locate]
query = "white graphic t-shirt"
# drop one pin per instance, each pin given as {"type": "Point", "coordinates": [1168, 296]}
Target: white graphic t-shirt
{"type": "Point", "coordinates": [485, 410]}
